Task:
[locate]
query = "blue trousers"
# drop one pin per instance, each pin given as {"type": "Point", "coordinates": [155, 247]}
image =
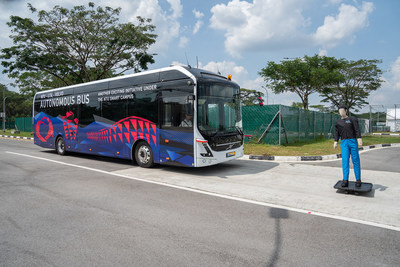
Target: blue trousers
{"type": "Point", "coordinates": [350, 147]}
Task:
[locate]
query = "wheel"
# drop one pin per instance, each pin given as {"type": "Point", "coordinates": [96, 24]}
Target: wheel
{"type": "Point", "coordinates": [144, 155]}
{"type": "Point", "coordinates": [60, 146]}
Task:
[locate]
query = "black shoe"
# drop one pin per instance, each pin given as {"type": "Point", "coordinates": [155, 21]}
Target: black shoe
{"type": "Point", "coordinates": [358, 183]}
{"type": "Point", "coordinates": [345, 183]}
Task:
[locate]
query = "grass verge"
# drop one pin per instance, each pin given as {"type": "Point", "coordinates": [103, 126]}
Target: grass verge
{"type": "Point", "coordinates": [24, 134]}
{"type": "Point", "coordinates": [317, 148]}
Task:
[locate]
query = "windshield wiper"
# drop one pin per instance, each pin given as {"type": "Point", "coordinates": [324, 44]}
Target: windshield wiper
{"type": "Point", "coordinates": [239, 130]}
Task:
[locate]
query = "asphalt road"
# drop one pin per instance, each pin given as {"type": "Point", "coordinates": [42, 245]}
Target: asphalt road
{"type": "Point", "coordinates": [382, 159]}
{"type": "Point", "coordinates": [54, 214]}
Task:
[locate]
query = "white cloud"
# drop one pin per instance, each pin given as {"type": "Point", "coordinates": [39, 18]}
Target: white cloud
{"type": "Point", "coordinates": [198, 14]}
{"type": "Point", "coordinates": [183, 41]}
{"type": "Point", "coordinates": [334, 2]}
{"type": "Point", "coordinates": [265, 25]}
{"type": "Point", "coordinates": [197, 26]}
{"type": "Point", "coordinates": [239, 73]}
{"type": "Point", "coordinates": [259, 25]}
{"type": "Point", "coordinates": [323, 53]}
{"type": "Point", "coordinates": [388, 93]}
{"type": "Point", "coordinates": [395, 71]}
{"type": "Point", "coordinates": [199, 23]}
{"type": "Point", "coordinates": [344, 25]}
{"type": "Point", "coordinates": [167, 23]}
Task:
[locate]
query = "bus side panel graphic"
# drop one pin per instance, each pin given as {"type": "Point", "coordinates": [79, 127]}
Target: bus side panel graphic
{"type": "Point", "coordinates": [176, 148]}
{"type": "Point", "coordinates": [115, 140]}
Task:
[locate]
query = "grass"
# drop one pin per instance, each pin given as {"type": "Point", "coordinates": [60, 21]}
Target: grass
{"type": "Point", "coordinates": [316, 148]}
{"type": "Point", "coordinates": [24, 134]}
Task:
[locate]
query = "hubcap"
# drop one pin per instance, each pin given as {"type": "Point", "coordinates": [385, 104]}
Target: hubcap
{"type": "Point", "coordinates": [144, 154]}
{"type": "Point", "coordinates": [61, 146]}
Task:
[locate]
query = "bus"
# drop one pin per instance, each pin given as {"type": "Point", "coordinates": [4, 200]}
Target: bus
{"type": "Point", "coordinates": [176, 115]}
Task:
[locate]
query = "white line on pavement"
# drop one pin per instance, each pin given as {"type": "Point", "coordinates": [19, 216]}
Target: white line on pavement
{"type": "Point", "coordinates": [390, 227]}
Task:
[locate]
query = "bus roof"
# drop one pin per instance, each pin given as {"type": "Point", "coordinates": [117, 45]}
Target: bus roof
{"type": "Point", "coordinates": [188, 71]}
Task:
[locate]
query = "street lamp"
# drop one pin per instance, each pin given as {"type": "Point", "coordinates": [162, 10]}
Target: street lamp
{"type": "Point", "coordinates": [4, 108]}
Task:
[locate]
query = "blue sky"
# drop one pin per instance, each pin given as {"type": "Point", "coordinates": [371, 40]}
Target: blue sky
{"type": "Point", "coordinates": [239, 37]}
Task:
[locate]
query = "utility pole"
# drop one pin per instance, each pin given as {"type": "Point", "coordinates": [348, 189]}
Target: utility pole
{"type": "Point", "coordinates": [4, 108]}
{"type": "Point", "coordinates": [370, 119]}
{"type": "Point", "coordinates": [395, 117]}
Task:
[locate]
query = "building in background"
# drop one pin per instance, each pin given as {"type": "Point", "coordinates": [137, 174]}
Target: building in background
{"type": "Point", "coordinates": [393, 119]}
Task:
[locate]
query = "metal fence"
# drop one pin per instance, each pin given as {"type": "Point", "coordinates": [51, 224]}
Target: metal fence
{"type": "Point", "coordinates": [385, 117]}
{"type": "Point", "coordinates": [278, 124]}
{"type": "Point", "coordinates": [23, 124]}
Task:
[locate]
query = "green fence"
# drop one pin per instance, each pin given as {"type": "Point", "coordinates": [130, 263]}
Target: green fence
{"type": "Point", "coordinates": [9, 124]}
{"type": "Point", "coordinates": [23, 124]}
{"type": "Point", "coordinates": [278, 124]}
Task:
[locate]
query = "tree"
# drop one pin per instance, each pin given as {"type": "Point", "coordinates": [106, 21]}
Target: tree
{"type": "Point", "coordinates": [66, 47]}
{"type": "Point", "coordinates": [17, 105]}
{"type": "Point", "coordinates": [300, 76]}
{"type": "Point", "coordinates": [297, 105]}
{"type": "Point", "coordinates": [322, 108]}
{"type": "Point", "coordinates": [352, 83]}
{"type": "Point", "coordinates": [250, 97]}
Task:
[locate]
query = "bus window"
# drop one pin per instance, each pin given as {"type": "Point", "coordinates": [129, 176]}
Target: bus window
{"type": "Point", "coordinates": [89, 110]}
{"type": "Point", "coordinates": [144, 105]}
{"type": "Point", "coordinates": [176, 107]}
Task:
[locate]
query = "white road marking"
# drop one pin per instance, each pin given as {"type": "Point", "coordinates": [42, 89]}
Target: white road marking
{"type": "Point", "coordinates": [390, 227]}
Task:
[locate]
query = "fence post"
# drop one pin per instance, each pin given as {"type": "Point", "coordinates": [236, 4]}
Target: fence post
{"type": "Point", "coordinates": [299, 122]}
{"type": "Point", "coordinates": [280, 124]}
{"type": "Point", "coordinates": [315, 122]}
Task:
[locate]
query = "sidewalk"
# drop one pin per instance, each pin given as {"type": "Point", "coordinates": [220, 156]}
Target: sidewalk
{"type": "Point", "coordinates": [295, 186]}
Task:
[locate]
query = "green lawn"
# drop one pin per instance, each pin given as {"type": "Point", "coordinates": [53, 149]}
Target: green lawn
{"type": "Point", "coordinates": [316, 148]}
{"type": "Point", "coordinates": [24, 134]}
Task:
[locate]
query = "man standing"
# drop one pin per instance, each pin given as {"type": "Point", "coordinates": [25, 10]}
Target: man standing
{"type": "Point", "coordinates": [347, 129]}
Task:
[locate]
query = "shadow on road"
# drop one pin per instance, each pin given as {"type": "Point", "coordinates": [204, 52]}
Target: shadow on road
{"type": "Point", "coordinates": [222, 170]}
{"type": "Point", "coordinates": [277, 214]}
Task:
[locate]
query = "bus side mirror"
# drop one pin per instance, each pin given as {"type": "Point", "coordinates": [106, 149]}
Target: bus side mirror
{"type": "Point", "coordinates": [191, 98]}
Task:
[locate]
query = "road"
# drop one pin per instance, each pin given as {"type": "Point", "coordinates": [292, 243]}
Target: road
{"type": "Point", "coordinates": [82, 210]}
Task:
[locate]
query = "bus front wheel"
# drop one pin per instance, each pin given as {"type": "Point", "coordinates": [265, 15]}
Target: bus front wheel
{"type": "Point", "coordinates": [144, 155]}
{"type": "Point", "coordinates": [60, 146]}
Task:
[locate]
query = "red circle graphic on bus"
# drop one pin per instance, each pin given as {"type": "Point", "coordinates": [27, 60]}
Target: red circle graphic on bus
{"type": "Point", "coordinates": [50, 132]}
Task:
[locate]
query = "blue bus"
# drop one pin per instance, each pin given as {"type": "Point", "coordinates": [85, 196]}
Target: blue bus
{"type": "Point", "coordinates": [177, 115]}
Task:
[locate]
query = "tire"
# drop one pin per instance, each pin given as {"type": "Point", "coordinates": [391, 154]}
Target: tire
{"type": "Point", "coordinates": [60, 146]}
{"type": "Point", "coordinates": [144, 155]}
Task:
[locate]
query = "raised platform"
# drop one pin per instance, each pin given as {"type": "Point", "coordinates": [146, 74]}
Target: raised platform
{"type": "Point", "coordinates": [364, 188]}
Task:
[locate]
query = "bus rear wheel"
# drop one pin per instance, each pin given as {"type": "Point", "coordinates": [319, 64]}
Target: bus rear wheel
{"type": "Point", "coordinates": [144, 155]}
{"type": "Point", "coordinates": [60, 146]}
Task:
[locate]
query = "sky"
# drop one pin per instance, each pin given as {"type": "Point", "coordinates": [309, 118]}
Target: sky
{"type": "Point", "coordinates": [240, 37]}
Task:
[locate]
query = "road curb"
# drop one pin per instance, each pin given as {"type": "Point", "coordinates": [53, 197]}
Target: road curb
{"type": "Point", "coordinates": [316, 158]}
{"type": "Point", "coordinates": [391, 134]}
{"type": "Point", "coordinates": [17, 137]}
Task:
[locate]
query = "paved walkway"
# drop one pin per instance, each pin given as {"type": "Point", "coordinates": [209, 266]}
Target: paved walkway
{"type": "Point", "coordinates": [294, 186]}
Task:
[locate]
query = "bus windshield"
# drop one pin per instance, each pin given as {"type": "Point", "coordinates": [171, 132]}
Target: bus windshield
{"type": "Point", "coordinates": [218, 108]}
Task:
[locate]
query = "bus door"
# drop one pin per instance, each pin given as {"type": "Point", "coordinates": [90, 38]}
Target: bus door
{"type": "Point", "coordinates": [176, 128]}
{"type": "Point", "coordinates": [70, 126]}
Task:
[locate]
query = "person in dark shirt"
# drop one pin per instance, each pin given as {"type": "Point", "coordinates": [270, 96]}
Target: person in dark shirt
{"type": "Point", "coordinates": [347, 129]}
